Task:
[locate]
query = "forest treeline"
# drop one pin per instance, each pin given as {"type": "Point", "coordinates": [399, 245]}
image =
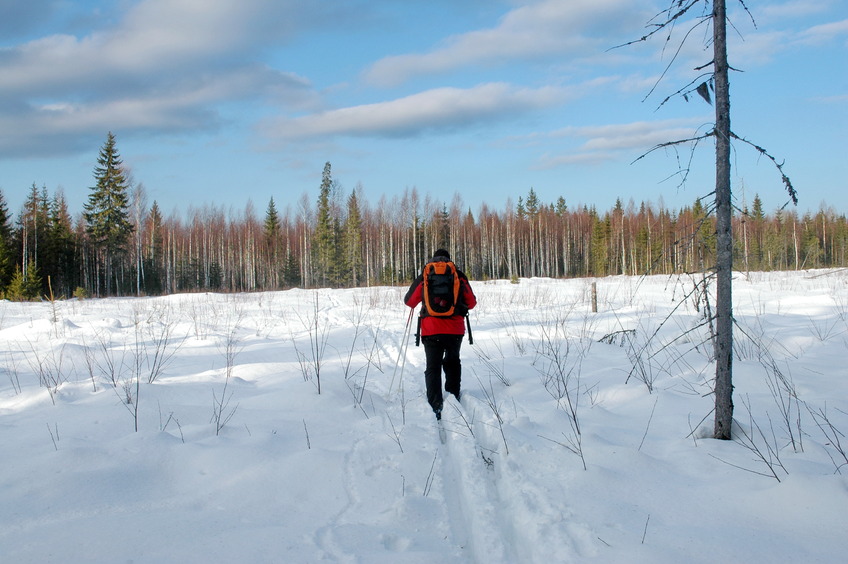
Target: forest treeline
{"type": "Point", "coordinates": [120, 245]}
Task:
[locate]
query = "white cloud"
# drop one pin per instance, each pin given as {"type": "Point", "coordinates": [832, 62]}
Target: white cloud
{"type": "Point", "coordinates": [440, 109]}
{"type": "Point", "coordinates": [602, 143]}
{"type": "Point", "coordinates": [823, 33]}
{"type": "Point", "coordinates": [550, 27]}
{"type": "Point", "coordinates": [155, 38]}
{"type": "Point", "coordinates": [166, 65]}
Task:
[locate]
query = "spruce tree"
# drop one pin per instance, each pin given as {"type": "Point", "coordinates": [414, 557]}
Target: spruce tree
{"type": "Point", "coordinates": [6, 243]}
{"type": "Point", "coordinates": [705, 240]}
{"type": "Point", "coordinates": [352, 242]}
{"type": "Point", "coordinates": [560, 207]}
{"type": "Point", "coordinates": [107, 213]}
{"type": "Point", "coordinates": [272, 221]}
{"type": "Point", "coordinates": [326, 239]}
{"type": "Point", "coordinates": [59, 263]}
{"type": "Point", "coordinates": [24, 286]}
{"type": "Point", "coordinates": [272, 242]}
{"type": "Point", "coordinates": [601, 231]}
{"type": "Point", "coordinates": [757, 218]}
{"type": "Point", "coordinates": [291, 271]}
{"type": "Point", "coordinates": [155, 268]}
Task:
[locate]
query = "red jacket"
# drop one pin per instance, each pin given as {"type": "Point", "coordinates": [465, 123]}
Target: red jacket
{"type": "Point", "coordinates": [454, 325]}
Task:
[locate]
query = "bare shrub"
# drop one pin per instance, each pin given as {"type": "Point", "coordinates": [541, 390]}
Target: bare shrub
{"type": "Point", "coordinates": [48, 367]}
{"type": "Point", "coordinates": [311, 362]}
{"type": "Point", "coordinates": [763, 446]}
{"type": "Point", "coordinates": [495, 366]}
{"type": "Point", "coordinates": [162, 345]}
{"type": "Point", "coordinates": [222, 412]}
{"type": "Point", "coordinates": [833, 437]}
{"type": "Point", "coordinates": [560, 369]}
{"type": "Point", "coordinates": [11, 370]}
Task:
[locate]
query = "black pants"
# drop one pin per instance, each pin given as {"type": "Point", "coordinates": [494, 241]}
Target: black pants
{"type": "Point", "coordinates": [442, 352]}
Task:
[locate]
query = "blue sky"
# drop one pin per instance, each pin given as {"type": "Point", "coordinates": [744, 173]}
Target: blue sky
{"type": "Point", "coordinates": [223, 102]}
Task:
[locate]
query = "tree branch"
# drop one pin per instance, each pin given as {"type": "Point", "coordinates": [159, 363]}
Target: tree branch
{"type": "Point", "coordinates": [793, 195]}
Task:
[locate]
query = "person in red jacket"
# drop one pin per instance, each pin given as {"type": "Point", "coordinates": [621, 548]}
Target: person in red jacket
{"type": "Point", "coordinates": [442, 337]}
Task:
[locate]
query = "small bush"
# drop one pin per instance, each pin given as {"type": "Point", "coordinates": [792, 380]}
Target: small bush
{"type": "Point", "coordinates": [24, 287]}
{"type": "Point", "coordinates": [81, 293]}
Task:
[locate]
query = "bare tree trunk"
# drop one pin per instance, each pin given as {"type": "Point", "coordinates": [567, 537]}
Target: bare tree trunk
{"type": "Point", "coordinates": [724, 263]}
{"type": "Point", "coordinates": [795, 243]}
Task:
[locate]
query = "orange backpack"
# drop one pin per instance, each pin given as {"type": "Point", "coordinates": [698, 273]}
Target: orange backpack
{"type": "Point", "coordinates": [441, 289]}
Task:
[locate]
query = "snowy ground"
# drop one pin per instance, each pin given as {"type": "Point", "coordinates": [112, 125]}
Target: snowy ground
{"type": "Point", "coordinates": [560, 451]}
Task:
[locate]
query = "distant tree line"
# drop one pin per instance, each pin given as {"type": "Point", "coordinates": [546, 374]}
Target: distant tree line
{"type": "Point", "coordinates": [119, 245]}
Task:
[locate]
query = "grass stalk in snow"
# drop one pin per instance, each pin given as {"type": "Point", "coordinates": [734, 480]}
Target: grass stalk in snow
{"type": "Point", "coordinates": [48, 368]}
{"type": "Point", "coordinates": [494, 366]}
{"type": "Point", "coordinates": [428, 483]}
{"type": "Point", "coordinates": [491, 401]}
{"type": "Point", "coordinates": [560, 370]}
{"type": "Point", "coordinates": [54, 435]}
{"type": "Point", "coordinates": [12, 372]}
{"type": "Point", "coordinates": [318, 338]}
{"type": "Point", "coordinates": [783, 391]}
{"type": "Point", "coordinates": [764, 448]}
{"type": "Point", "coordinates": [395, 435]}
{"type": "Point", "coordinates": [358, 388]}
{"type": "Point", "coordinates": [306, 433]}
{"type": "Point", "coordinates": [160, 331]}
{"type": "Point", "coordinates": [107, 363]}
{"type": "Point", "coordinates": [833, 437]}
{"type": "Point", "coordinates": [221, 410]}
{"type": "Point", "coordinates": [164, 426]}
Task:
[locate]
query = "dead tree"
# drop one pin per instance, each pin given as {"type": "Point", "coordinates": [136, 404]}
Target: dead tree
{"type": "Point", "coordinates": [716, 79]}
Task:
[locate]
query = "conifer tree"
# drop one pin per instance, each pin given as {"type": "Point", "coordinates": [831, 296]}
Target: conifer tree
{"type": "Point", "coordinates": [33, 227]}
{"type": "Point", "coordinates": [106, 214]}
{"type": "Point", "coordinates": [352, 242]}
{"type": "Point", "coordinates": [757, 218]}
{"type": "Point", "coordinates": [325, 233]}
{"type": "Point", "coordinates": [560, 207]}
{"type": "Point", "coordinates": [272, 222]}
{"type": "Point", "coordinates": [6, 243]}
{"type": "Point", "coordinates": [60, 252]}
{"type": "Point", "coordinates": [154, 270]}
{"type": "Point", "coordinates": [291, 271]}
{"type": "Point", "coordinates": [601, 231]}
{"type": "Point", "coordinates": [24, 286]}
{"type": "Point", "coordinates": [704, 236]}
{"type": "Point", "coordinates": [271, 230]}
{"type": "Point", "coordinates": [444, 230]}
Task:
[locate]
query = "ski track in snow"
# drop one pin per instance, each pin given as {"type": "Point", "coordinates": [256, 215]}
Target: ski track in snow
{"type": "Point", "coordinates": [538, 530]}
{"type": "Point", "coordinates": [504, 515]}
{"type": "Point", "coordinates": [497, 514]}
{"type": "Point", "coordinates": [471, 494]}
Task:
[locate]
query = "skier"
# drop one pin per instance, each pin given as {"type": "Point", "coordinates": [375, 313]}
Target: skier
{"type": "Point", "coordinates": [441, 324]}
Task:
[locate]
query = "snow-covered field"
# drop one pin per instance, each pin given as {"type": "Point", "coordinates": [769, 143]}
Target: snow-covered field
{"type": "Point", "coordinates": [292, 427]}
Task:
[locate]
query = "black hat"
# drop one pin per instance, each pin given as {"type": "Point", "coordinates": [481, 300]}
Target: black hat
{"type": "Point", "coordinates": [441, 253]}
